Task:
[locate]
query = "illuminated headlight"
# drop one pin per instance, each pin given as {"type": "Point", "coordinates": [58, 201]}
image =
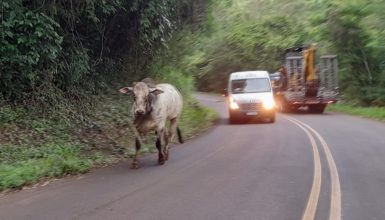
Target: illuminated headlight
{"type": "Point", "coordinates": [268, 104]}
{"type": "Point", "coordinates": [233, 104]}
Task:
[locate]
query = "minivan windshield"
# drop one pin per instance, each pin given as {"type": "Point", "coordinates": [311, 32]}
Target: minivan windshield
{"type": "Point", "coordinates": [250, 85]}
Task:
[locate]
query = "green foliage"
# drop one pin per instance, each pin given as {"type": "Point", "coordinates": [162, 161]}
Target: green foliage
{"type": "Point", "coordinates": [29, 42]}
{"type": "Point", "coordinates": [183, 82]}
{"type": "Point", "coordinates": [239, 39]}
{"type": "Point", "coordinates": [55, 54]}
{"type": "Point", "coordinates": [362, 70]}
{"type": "Point", "coordinates": [195, 118]}
{"type": "Point", "coordinates": [23, 165]}
{"type": "Point", "coordinates": [368, 112]}
{"type": "Point", "coordinates": [251, 34]}
{"type": "Point", "coordinates": [32, 149]}
{"type": "Point", "coordinates": [58, 56]}
{"type": "Point", "coordinates": [9, 115]}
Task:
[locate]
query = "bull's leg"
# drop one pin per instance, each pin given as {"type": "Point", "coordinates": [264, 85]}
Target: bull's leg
{"type": "Point", "coordinates": [138, 144]}
{"type": "Point", "coordinates": [170, 135]}
{"type": "Point", "coordinates": [161, 157]}
{"type": "Point", "coordinates": [173, 125]}
{"type": "Point", "coordinates": [179, 135]}
{"type": "Point", "coordinates": [166, 137]}
{"type": "Point", "coordinates": [175, 129]}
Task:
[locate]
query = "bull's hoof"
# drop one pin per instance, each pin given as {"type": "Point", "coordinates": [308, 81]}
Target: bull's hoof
{"type": "Point", "coordinates": [134, 165]}
{"type": "Point", "coordinates": [161, 161]}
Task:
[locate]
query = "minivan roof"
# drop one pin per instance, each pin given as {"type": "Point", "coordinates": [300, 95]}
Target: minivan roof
{"type": "Point", "coordinates": [249, 74]}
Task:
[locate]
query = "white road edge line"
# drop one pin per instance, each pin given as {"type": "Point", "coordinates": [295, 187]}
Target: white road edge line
{"type": "Point", "coordinates": [311, 207]}
{"type": "Point", "coordinates": [335, 198]}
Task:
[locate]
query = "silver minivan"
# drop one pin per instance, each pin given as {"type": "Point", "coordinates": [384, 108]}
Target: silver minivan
{"type": "Point", "coordinates": [250, 95]}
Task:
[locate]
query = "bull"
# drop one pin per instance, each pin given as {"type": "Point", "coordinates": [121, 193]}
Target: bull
{"type": "Point", "coordinates": [153, 106]}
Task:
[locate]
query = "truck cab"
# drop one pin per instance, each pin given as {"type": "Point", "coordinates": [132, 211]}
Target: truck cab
{"type": "Point", "coordinates": [250, 95]}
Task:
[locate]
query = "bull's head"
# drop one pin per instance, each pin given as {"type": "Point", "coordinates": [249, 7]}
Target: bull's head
{"type": "Point", "coordinates": [143, 97]}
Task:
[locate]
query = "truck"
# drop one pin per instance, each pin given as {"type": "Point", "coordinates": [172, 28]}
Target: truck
{"type": "Point", "coordinates": [301, 83]}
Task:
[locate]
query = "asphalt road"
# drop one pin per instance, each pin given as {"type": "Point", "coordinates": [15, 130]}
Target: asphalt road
{"type": "Point", "coordinates": [304, 166]}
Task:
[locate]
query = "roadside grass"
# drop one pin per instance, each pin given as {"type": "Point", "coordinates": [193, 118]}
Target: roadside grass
{"type": "Point", "coordinates": [368, 112]}
{"type": "Point", "coordinates": [21, 165]}
{"type": "Point", "coordinates": [34, 149]}
{"type": "Point", "coordinates": [196, 118]}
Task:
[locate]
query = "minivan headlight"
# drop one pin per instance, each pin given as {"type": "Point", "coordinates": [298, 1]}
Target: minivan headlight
{"type": "Point", "coordinates": [268, 104]}
{"type": "Point", "coordinates": [233, 104]}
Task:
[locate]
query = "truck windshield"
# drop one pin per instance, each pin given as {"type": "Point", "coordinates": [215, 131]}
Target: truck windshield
{"type": "Point", "coordinates": [250, 85]}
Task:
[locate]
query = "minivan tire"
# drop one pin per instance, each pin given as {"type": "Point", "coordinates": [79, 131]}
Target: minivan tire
{"type": "Point", "coordinates": [272, 118]}
{"type": "Point", "coordinates": [233, 119]}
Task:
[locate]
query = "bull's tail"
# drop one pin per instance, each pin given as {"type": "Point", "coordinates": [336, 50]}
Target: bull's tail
{"type": "Point", "coordinates": [179, 135]}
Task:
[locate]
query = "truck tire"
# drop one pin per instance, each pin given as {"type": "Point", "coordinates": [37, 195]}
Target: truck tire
{"type": "Point", "coordinates": [317, 108]}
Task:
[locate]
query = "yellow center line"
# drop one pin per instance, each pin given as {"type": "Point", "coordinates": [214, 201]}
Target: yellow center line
{"type": "Point", "coordinates": [312, 202]}
{"type": "Point", "coordinates": [335, 198]}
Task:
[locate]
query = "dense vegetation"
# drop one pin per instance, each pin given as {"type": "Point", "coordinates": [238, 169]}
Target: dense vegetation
{"type": "Point", "coordinates": [252, 34]}
{"type": "Point", "coordinates": [70, 50]}
{"type": "Point", "coordinates": [62, 63]}
{"type": "Point", "coordinates": [66, 51]}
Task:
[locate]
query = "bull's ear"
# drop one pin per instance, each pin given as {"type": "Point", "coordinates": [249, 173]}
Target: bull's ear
{"type": "Point", "coordinates": [156, 91]}
{"type": "Point", "coordinates": [125, 90]}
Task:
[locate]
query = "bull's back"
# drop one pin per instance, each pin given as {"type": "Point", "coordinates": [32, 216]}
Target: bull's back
{"type": "Point", "coordinates": [170, 100]}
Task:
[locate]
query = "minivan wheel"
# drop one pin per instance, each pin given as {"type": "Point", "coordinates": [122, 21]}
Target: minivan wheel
{"type": "Point", "coordinates": [233, 119]}
{"type": "Point", "coordinates": [272, 118]}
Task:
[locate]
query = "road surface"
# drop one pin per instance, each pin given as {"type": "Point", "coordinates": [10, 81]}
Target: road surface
{"type": "Point", "coordinates": [304, 166]}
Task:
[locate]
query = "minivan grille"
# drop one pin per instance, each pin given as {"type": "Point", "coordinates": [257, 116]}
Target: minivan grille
{"type": "Point", "coordinates": [250, 106]}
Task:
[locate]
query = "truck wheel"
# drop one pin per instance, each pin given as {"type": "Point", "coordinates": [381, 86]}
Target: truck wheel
{"type": "Point", "coordinates": [293, 108]}
{"type": "Point", "coordinates": [318, 108]}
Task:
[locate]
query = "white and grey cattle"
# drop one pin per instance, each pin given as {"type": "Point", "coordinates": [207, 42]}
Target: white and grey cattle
{"type": "Point", "coordinates": [153, 106]}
